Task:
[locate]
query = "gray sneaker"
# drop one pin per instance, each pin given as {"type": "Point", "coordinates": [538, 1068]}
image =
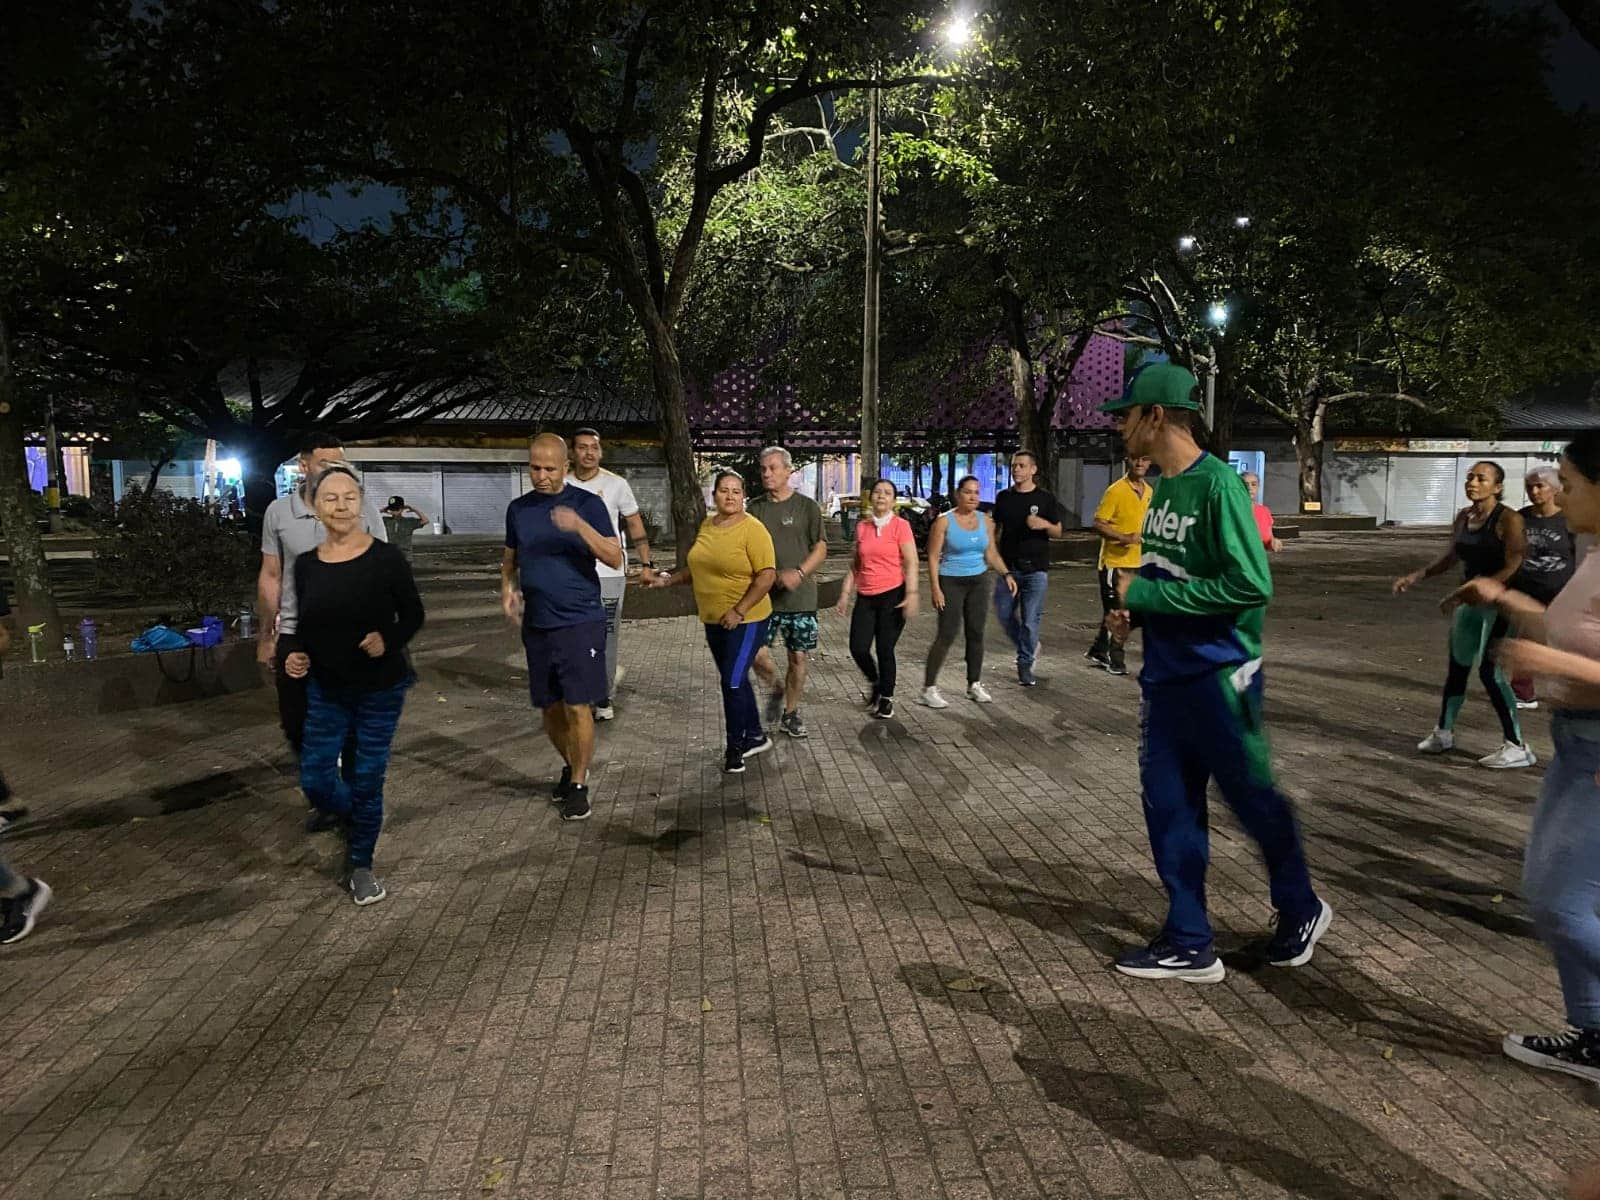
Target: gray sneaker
{"type": "Point", "coordinates": [794, 725]}
{"type": "Point", "coordinates": [365, 887]}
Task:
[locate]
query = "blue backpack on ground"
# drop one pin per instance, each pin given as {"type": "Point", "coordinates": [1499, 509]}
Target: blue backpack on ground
{"type": "Point", "coordinates": [158, 638]}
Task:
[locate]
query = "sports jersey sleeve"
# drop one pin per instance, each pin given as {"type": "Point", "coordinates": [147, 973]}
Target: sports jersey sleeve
{"type": "Point", "coordinates": [1244, 581]}
{"type": "Point", "coordinates": [758, 545]}
{"type": "Point", "coordinates": [627, 505]}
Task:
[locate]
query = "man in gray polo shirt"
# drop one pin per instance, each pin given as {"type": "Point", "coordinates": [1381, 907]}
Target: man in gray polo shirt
{"type": "Point", "coordinates": [290, 529]}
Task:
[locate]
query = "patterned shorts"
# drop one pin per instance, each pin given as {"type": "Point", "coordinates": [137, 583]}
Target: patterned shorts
{"type": "Point", "coordinates": [799, 630]}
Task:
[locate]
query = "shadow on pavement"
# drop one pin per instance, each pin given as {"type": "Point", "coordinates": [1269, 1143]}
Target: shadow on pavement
{"type": "Point", "coordinates": [1140, 1111]}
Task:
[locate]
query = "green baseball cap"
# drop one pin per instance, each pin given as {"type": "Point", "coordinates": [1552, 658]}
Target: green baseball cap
{"type": "Point", "coordinates": [1163, 383]}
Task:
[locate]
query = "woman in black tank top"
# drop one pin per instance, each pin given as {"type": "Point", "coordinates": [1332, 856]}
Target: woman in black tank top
{"type": "Point", "coordinates": [1488, 540]}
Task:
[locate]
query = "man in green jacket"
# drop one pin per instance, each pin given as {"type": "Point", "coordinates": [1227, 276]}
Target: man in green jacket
{"type": "Point", "coordinates": [1200, 595]}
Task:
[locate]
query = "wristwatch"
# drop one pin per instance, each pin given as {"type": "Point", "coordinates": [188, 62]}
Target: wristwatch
{"type": "Point", "coordinates": [646, 565]}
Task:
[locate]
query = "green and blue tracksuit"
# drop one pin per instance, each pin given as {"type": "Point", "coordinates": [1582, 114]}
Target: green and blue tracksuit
{"type": "Point", "coordinates": [1200, 597]}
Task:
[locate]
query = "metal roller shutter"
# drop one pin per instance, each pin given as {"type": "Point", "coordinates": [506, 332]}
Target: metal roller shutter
{"type": "Point", "coordinates": [1422, 489]}
{"type": "Point", "coordinates": [418, 485]}
{"type": "Point", "coordinates": [475, 498]}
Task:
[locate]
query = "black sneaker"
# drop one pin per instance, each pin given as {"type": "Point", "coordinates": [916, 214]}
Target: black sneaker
{"type": "Point", "coordinates": [575, 805]}
{"type": "Point", "coordinates": [1098, 657]}
{"type": "Point", "coordinates": [559, 792]}
{"type": "Point", "coordinates": [760, 746]}
{"type": "Point", "coordinates": [885, 708]}
{"type": "Point", "coordinates": [872, 700]}
{"type": "Point", "coordinates": [794, 725]}
{"type": "Point", "coordinates": [733, 762]}
{"type": "Point", "coordinates": [1162, 960]}
{"type": "Point", "coordinates": [10, 816]}
{"type": "Point", "coordinates": [1025, 676]}
{"type": "Point", "coordinates": [18, 913]}
{"type": "Point", "coordinates": [1575, 1052]}
{"type": "Point", "coordinates": [1116, 663]}
{"type": "Point", "coordinates": [1294, 943]}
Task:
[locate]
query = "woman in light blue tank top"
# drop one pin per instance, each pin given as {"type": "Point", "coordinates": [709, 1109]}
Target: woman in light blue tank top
{"type": "Point", "coordinates": [961, 549]}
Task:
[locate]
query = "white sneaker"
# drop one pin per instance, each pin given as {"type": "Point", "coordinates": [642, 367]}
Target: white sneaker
{"type": "Point", "coordinates": [1437, 742]}
{"type": "Point", "coordinates": [1527, 704]}
{"type": "Point", "coordinates": [932, 697]}
{"type": "Point", "coordinates": [1508, 756]}
{"type": "Point", "coordinates": [977, 692]}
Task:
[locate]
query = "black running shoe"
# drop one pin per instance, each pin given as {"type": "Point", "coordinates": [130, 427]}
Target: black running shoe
{"type": "Point", "coordinates": [1098, 657]}
{"type": "Point", "coordinates": [1575, 1052]}
{"type": "Point", "coordinates": [733, 762]}
{"type": "Point", "coordinates": [18, 913]}
{"type": "Point", "coordinates": [575, 805]}
{"type": "Point", "coordinates": [323, 822]}
{"type": "Point", "coordinates": [885, 708]}
{"type": "Point", "coordinates": [559, 792]}
{"type": "Point", "coordinates": [1116, 662]}
{"type": "Point", "coordinates": [759, 746]}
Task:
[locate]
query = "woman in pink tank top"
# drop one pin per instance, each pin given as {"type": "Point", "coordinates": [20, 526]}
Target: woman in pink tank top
{"type": "Point", "coordinates": [1559, 647]}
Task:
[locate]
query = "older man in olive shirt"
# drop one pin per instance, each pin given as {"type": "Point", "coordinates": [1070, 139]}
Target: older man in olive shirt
{"type": "Point", "coordinates": [795, 523]}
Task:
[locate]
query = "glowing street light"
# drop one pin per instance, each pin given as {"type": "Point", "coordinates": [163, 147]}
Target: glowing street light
{"type": "Point", "coordinates": [1242, 222]}
{"type": "Point", "coordinates": [958, 32]}
{"type": "Point", "coordinates": [1218, 314]}
{"type": "Point", "coordinates": [1187, 242]}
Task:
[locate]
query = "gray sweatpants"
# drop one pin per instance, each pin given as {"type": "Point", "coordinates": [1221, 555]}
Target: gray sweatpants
{"type": "Point", "coordinates": [612, 590]}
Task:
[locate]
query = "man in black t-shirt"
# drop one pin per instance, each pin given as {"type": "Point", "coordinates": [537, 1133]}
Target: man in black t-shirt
{"type": "Point", "coordinates": [1027, 517]}
{"type": "Point", "coordinates": [21, 899]}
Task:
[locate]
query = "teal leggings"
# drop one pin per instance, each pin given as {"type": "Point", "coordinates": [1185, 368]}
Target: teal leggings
{"type": "Point", "coordinates": [1473, 630]}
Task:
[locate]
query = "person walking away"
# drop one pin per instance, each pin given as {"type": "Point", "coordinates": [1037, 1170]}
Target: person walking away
{"type": "Point", "coordinates": [1488, 540]}
{"type": "Point", "coordinates": [883, 570]}
{"type": "Point", "coordinates": [731, 567]}
{"type": "Point", "coordinates": [289, 529]}
{"type": "Point", "coordinates": [1118, 520]}
{"type": "Point", "coordinates": [800, 545]}
{"type": "Point", "coordinates": [22, 898]}
{"type": "Point", "coordinates": [961, 550]}
{"type": "Point", "coordinates": [615, 491]}
{"type": "Point", "coordinates": [1263, 514]}
{"type": "Point", "coordinates": [549, 586]}
{"type": "Point", "coordinates": [401, 521]}
{"type": "Point", "coordinates": [1559, 647]}
{"type": "Point", "coordinates": [357, 609]}
{"type": "Point", "coordinates": [1027, 517]}
{"type": "Point", "coordinates": [1201, 593]}
{"type": "Point", "coordinates": [1550, 557]}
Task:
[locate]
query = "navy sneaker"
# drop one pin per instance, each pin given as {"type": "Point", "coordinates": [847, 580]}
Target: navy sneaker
{"type": "Point", "coordinates": [757, 746]}
{"type": "Point", "coordinates": [1294, 942]}
{"type": "Point", "coordinates": [1162, 960]}
{"type": "Point", "coordinates": [559, 792]}
{"type": "Point", "coordinates": [1575, 1052]}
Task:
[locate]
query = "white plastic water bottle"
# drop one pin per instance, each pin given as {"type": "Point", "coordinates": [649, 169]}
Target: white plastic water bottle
{"type": "Point", "coordinates": [67, 648]}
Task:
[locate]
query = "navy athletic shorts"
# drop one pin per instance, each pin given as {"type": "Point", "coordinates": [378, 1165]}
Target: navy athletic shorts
{"type": "Point", "coordinates": [566, 665]}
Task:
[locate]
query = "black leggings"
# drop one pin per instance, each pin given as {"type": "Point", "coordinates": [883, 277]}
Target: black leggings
{"type": "Point", "coordinates": [877, 620]}
{"type": "Point", "coordinates": [966, 603]}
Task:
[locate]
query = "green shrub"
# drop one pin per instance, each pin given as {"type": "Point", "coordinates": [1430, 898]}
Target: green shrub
{"type": "Point", "coordinates": [164, 548]}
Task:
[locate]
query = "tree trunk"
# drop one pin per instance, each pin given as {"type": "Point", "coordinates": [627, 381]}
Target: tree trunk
{"type": "Point", "coordinates": [1308, 437]}
{"type": "Point", "coordinates": [1226, 405]}
{"type": "Point", "coordinates": [950, 476]}
{"type": "Point", "coordinates": [666, 374]}
{"type": "Point", "coordinates": [1033, 424]}
{"type": "Point", "coordinates": [263, 452]}
{"type": "Point", "coordinates": [34, 602]}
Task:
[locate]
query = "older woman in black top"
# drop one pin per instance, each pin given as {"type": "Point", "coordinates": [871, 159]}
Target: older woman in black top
{"type": "Point", "coordinates": [1551, 556]}
{"type": "Point", "coordinates": [358, 607]}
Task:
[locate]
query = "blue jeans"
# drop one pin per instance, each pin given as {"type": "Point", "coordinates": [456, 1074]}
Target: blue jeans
{"type": "Point", "coordinates": [371, 717]}
{"type": "Point", "coordinates": [734, 650]}
{"type": "Point", "coordinates": [1020, 616]}
{"type": "Point", "coordinates": [1195, 731]}
{"type": "Point", "coordinates": [1561, 874]}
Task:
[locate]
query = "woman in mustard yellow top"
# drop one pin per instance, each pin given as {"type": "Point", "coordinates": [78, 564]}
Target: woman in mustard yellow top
{"type": "Point", "coordinates": [732, 568]}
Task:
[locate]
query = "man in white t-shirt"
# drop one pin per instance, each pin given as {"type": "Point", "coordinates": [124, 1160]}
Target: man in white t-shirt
{"type": "Point", "coordinates": [612, 488]}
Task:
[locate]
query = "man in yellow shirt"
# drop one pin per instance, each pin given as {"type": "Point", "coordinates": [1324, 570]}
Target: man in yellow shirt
{"type": "Point", "coordinates": [1118, 521]}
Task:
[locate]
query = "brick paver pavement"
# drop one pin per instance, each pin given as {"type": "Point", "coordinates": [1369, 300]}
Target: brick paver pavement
{"type": "Point", "coordinates": [764, 986]}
